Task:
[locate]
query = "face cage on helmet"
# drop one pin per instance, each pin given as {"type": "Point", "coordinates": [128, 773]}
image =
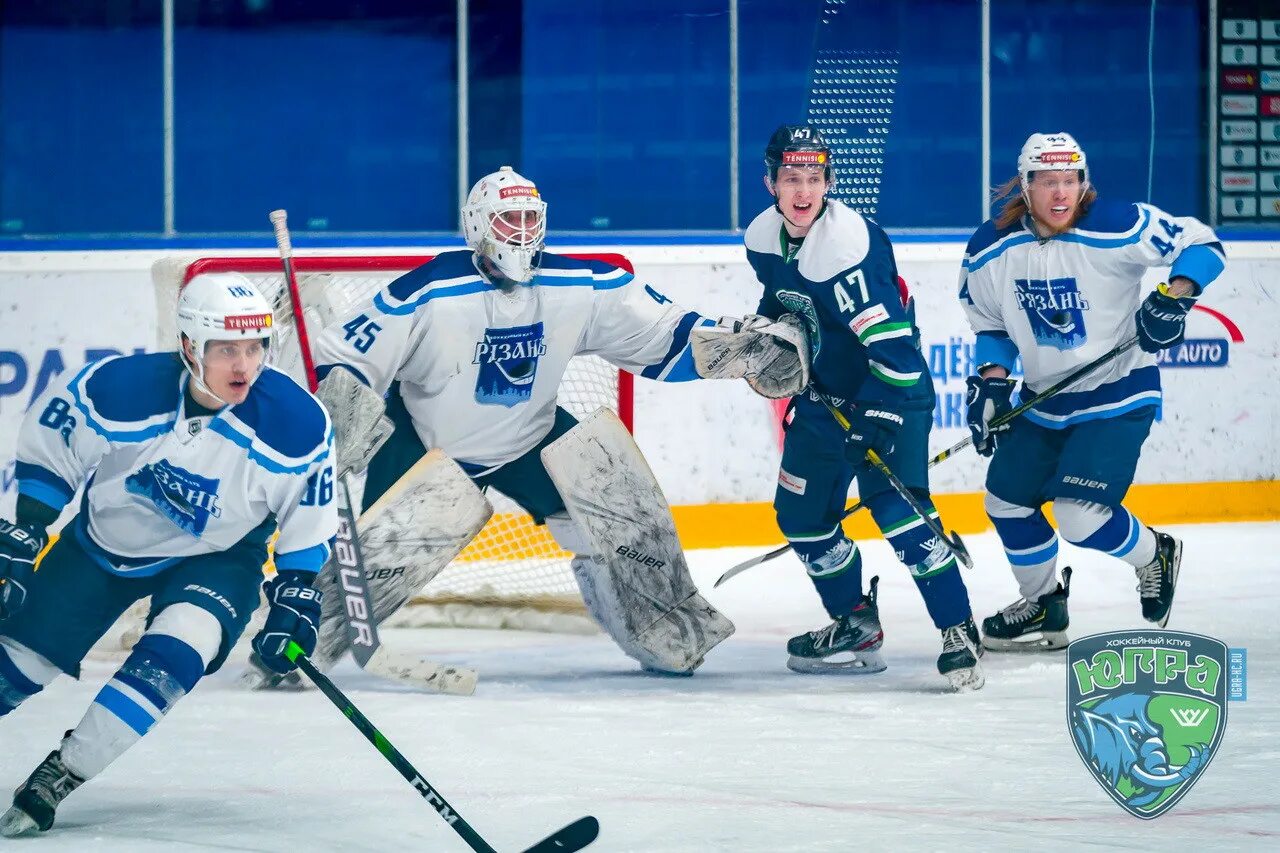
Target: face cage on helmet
{"type": "Point", "coordinates": [516, 261]}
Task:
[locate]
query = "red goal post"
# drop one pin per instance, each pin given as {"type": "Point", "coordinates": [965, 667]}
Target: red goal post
{"type": "Point", "coordinates": [512, 574]}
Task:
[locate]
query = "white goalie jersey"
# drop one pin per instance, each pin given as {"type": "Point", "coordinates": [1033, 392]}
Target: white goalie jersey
{"type": "Point", "coordinates": [480, 367]}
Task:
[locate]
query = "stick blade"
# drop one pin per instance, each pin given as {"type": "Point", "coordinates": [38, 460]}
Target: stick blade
{"type": "Point", "coordinates": [575, 836]}
{"type": "Point", "coordinates": [424, 674]}
{"type": "Point", "coordinates": [754, 561]}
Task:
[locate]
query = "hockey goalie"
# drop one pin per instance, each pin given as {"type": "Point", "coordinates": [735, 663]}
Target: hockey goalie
{"type": "Point", "coordinates": [463, 356]}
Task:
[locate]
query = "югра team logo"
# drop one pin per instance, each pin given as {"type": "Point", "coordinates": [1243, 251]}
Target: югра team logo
{"type": "Point", "coordinates": [801, 305]}
{"type": "Point", "coordinates": [1146, 711]}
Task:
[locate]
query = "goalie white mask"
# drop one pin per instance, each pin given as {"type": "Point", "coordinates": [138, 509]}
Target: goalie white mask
{"type": "Point", "coordinates": [505, 222]}
{"type": "Point", "coordinates": [222, 306]}
{"type": "Point", "coordinates": [1052, 152]}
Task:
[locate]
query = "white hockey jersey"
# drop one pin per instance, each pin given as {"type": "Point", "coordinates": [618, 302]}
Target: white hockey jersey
{"type": "Point", "coordinates": [1060, 303]}
{"type": "Point", "coordinates": [161, 486]}
{"type": "Point", "coordinates": [479, 368]}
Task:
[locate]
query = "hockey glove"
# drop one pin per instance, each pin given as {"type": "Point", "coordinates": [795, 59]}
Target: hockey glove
{"type": "Point", "coordinates": [987, 399]}
{"type": "Point", "coordinates": [871, 427]}
{"type": "Point", "coordinates": [1162, 320]}
{"type": "Point", "coordinates": [294, 615]}
{"type": "Point", "coordinates": [20, 544]}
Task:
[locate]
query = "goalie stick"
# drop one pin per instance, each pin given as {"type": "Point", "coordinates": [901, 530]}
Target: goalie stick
{"type": "Point", "coordinates": [1059, 386]}
{"type": "Point", "coordinates": [362, 629]}
{"type": "Point", "coordinates": [575, 836]}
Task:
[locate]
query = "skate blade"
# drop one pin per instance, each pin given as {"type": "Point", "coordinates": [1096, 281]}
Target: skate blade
{"type": "Point", "coordinates": [256, 679]}
{"type": "Point", "coordinates": [967, 680]}
{"type": "Point", "coordinates": [861, 663]}
{"type": "Point", "coordinates": [16, 823]}
{"type": "Point", "coordinates": [1177, 565]}
{"type": "Point", "coordinates": [1042, 641]}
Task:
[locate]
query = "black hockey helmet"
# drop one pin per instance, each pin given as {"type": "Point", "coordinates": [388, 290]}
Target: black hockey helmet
{"type": "Point", "coordinates": [797, 145]}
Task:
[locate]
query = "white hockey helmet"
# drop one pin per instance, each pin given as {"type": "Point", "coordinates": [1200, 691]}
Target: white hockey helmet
{"type": "Point", "coordinates": [1052, 152]}
{"type": "Point", "coordinates": [220, 306]}
{"type": "Point", "coordinates": [505, 222]}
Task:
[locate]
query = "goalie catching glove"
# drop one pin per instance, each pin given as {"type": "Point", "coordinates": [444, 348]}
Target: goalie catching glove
{"type": "Point", "coordinates": [771, 355]}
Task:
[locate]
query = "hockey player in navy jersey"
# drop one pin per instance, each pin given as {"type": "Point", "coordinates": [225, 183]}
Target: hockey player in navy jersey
{"type": "Point", "coordinates": [827, 264]}
{"type": "Point", "coordinates": [470, 349]}
{"type": "Point", "coordinates": [1056, 280]}
{"type": "Point", "coordinates": [188, 463]}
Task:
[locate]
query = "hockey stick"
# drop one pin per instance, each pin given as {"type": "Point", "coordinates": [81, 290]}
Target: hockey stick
{"type": "Point", "coordinates": [362, 629]}
{"type": "Point", "coordinates": [1056, 388]}
{"type": "Point", "coordinates": [954, 543]}
{"type": "Point", "coordinates": [575, 836]}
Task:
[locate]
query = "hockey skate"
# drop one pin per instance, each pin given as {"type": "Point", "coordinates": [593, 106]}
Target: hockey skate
{"type": "Point", "coordinates": [1031, 626]}
{"type": "Point", "coordinates": [1158, 579]}
{"type": "Point", "coordinates": [258, 676]}
{"type": "Point", "coordinates": [36, 801]}
{"type": "Point", "coordinates": [849, 644]}
{"type": "Point", "coordinates": [958, 663]}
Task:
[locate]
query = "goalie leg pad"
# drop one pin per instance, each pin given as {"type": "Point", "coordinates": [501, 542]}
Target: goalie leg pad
{"type": "Point", "coordinates": [635, 580]}
{"type": "Point", "coordinates": [407, 537]}
{"type": "Point", "coordinates": [360, 425]}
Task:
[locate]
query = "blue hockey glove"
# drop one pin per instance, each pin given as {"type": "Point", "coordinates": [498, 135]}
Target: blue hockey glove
{"type": "Point", "coordinates": [1162, 320]}
{"type": "Point", "coordinates": [872, 426]}
{"type": "Point", "coordinates": [294, 615]}
{"type": "Point", "coordinates": [987, 399]}
{"type": "Point", "coordinates": [20, 544]}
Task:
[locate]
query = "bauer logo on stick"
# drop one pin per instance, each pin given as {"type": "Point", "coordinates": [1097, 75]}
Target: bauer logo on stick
{"type": "Point", "coordinates": [1146, 711]}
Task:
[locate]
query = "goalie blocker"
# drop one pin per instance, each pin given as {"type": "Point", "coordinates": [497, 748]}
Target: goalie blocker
{"type": "Point", "coordinates": [628, 560]}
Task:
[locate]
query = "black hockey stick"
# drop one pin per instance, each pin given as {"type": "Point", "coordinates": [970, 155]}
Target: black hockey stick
{"type": "Point", "coordinates": [348, 558]}
{"type": "Point", "coordinates": [575, 836]}
{"type": "Point", "coordinates": [1059, 386]}
{"type": "Point", "coordinates": [954, 543]}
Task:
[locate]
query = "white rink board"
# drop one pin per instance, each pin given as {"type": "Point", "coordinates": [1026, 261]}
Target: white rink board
{"type": "Point", "coordinates": [714, 442]}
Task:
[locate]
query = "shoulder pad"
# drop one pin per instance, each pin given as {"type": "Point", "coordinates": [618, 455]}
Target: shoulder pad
{"type": "Point", "coordinates": [762, 233]}
{"type": "Point", "coordinates": [444, 266]}
{"type": "Point", "coordinates": [132, 388]}
{"type": "Point", "coordinates": [839, 240]}
{"type": "Point", "coordinates": [284, 416]}
{"type": "Point", "coordinates": [1110, 217]}
{"type": "Point", "coordinates": [988, 235]}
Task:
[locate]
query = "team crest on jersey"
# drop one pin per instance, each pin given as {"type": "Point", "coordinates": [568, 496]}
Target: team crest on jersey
{"type": "Point", "coordinates": [1146, 711]}
{"type": "Point", "coordinates": [186, 499]}
{"type": "Point", "coordinates": [801, 305]}
{"type": "Point", "coordinates": [1055, 308]}
{"type": "Point", "coordinates": [508, 360]}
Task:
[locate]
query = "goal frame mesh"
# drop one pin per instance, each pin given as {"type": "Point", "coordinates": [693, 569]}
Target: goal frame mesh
{"type": "Point", "coordinates": [451, 598]}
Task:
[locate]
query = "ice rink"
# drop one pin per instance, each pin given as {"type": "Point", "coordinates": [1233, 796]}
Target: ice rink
{"type": "Point", "coordinates": [744, 756]}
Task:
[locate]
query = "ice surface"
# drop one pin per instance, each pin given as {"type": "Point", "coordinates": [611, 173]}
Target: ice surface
{"type": "Point", "coordinates": [744, 756]}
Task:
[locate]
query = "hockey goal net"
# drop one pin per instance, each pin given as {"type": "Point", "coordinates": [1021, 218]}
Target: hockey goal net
{"type": "Point", "coordinates": [512, 575]}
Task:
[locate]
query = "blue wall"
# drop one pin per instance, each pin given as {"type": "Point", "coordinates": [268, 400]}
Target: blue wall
{"type": "Point", "coordinates": [346, 114]}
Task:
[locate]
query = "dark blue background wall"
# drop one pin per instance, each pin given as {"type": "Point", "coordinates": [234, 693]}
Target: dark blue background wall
{"type": "Point", "coordinates": [345, 111]}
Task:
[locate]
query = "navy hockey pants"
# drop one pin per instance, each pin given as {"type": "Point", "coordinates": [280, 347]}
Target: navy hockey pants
{"type": "Point", "coordinates": [523, 479]}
